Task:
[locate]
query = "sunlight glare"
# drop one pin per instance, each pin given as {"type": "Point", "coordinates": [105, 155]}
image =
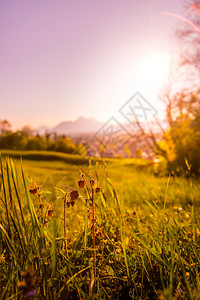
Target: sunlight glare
{"type": "Point", "coordinates": [154, 69]}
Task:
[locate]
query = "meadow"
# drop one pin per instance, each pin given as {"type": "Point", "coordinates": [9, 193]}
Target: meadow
{"type": "Point", "coordinates": [86, 228]}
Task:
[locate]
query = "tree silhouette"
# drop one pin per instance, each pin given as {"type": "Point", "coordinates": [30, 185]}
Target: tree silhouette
{"type": "Point", "coordinates": [5, 126]}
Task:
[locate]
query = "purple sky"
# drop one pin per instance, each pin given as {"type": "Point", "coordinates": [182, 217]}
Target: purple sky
{"type": "Point", "coordinates": [60, 59]}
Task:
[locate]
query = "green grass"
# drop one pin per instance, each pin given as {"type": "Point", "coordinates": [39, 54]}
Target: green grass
{"type": "Point", "coordinates": [147, 230]}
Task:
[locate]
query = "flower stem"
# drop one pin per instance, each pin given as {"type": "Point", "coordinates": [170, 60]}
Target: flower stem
{"type": "Point", "coordinates": [65, 232]}
{"type": "Point", "coordinates": [93, 227]}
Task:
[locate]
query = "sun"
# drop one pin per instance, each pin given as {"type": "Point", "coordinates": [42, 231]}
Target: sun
{"type": "Point", "coordinates": [154, 69]}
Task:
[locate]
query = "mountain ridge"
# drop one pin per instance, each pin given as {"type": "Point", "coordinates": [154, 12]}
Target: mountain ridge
{"type": "Point", "coordinates": [79, 126]}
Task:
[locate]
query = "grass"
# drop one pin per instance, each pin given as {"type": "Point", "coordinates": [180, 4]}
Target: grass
{"type": "Point", "coordinates": [146, 228]}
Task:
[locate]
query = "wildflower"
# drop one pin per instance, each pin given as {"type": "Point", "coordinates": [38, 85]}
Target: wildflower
{"type": "Point", "coordinates": [81, 183]}
{"type": "Point", "coordinates": [68, 203]}
{"type": "Point", "coordinates": [97, 190]}
{"type": "Point", "coordinates": [92, 182]}
{"type": "Point", "coordinates": [74, 195]}
{"type": "Point", "coordinates": [33, 190]}
{"type": "Point", "coordinates": [50, 212]}
{"type": "Point", "coordinates": [72, 203]}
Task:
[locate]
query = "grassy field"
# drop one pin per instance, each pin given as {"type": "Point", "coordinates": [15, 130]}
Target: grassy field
{"type": "Point", "coordinates": [138, 238]}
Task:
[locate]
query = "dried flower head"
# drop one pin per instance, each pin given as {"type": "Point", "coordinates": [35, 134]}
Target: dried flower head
{"type": "Point", "coordinates": [97, 190]}
{"type": "Point", "coordinates": [71, 202]}
{"type": "Point", "coordinates": [74, 195]}
{"type": "Point", "coordinates": [81, 183]}
{"type": "Point", "coordinates": [68, 203]}
{"type": "Point", "coordinates": [92, 182]}
{"type": "Point", "coordinates": [33, 190]}
{"type": "Point", "coordinates": [50, 212]}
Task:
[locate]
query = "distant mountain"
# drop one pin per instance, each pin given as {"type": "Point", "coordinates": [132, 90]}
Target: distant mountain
{"type": "Point", "coordinates": [81, 125]}
{"type": "Point", "coordinates": [84, 125]}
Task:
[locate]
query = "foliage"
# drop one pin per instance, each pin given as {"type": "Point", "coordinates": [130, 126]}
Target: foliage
{"type": "Point", "coordinates": [26, 140]}
{"type": "Point", "coordinates": [180, 143]}
{"type": "Point", "coordinates": [63, 144]}
{"type": "Point", "coordinates": [13, 140]}
{"type": "Point", "coordinates": [36, 143]}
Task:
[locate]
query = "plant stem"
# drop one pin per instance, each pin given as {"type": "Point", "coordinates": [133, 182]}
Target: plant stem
{"type": "Point", "coordinates": [93, 227]}
{"type": "Point", "coordinates": [65, 232]}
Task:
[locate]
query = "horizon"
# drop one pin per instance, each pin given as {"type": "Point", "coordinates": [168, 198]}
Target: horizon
{"type": "Point", "coordinates": [60, 61]}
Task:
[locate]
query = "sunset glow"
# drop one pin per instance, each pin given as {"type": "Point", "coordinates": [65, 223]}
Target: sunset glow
{"type": "Point", "coordinates": [62, 59]}
{"type": "Point", "coordinates": [154, 69]}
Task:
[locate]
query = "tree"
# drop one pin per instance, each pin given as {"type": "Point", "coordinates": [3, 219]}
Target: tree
{"type": "Point", "coordinates": [179, 143]}
{"type": "Point", "coordinates": [63, 144]}
{"type": "Point", "coordinates": [13, 140]}
{"type": "Point", "coordinates": [27, 130]}
{"type": "Point", "coordinates": [188, 35]}
{"type": "Point", "coordinates": [80, 149]}
{"type": "Point", "coordinates": [36, 143]}
{"type": "Point", "coordinates": [5, 126]}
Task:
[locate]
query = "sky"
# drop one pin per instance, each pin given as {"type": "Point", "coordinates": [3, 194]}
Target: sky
{"type": "Point", "coordinates": [62, 59]}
